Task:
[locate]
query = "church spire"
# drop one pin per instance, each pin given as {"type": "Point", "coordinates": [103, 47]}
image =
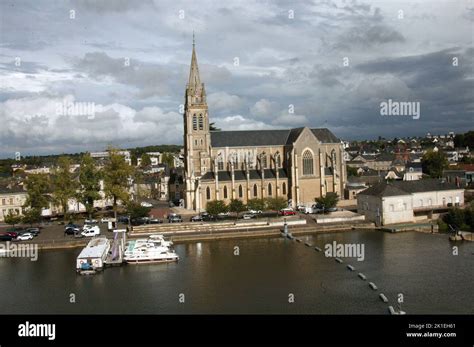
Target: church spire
{"type": "Point", "coordinates": [194, 79]}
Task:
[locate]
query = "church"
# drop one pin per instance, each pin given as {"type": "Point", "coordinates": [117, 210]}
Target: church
{"type": "Point", "coordinates": [297, 164]}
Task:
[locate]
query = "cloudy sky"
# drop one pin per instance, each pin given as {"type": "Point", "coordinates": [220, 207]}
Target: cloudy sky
{"type": "Point", "coordinates": [333, 61]}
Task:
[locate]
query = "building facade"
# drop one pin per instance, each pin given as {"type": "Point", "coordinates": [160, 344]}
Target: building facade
{"type": "Point", "coordinates": [400, 201]}
{"type": "Point", "coordinates": [297, 164]}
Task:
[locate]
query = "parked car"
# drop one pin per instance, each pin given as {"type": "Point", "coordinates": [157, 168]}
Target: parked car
{"type": "Point", "coordinates": [301, 208]}
{"type": "Point", "coordinates": [123, 219]}
{"type": "Point", "coordinates": [248, 216]}
{"type": "Point", "coordinates": [90, 221]}
{"type": "Point", "coordinates": [72, 229]}
{"type": "Point", "coordinates": [208, 218]}
{"type": "Point", "coordinates": [13, 234]}
{"type": "Point", "coordinates": [286, 212]}
{"type": "Point", "coordinates": [196, 219]}
{"type": "Point", "coordinates": [5, 237]}
{"type": "Point", "coordinates": [90, 230]}
{"type": "Point", "coordinates": [140, 221]}
{"type": "Point", "coordinates": [34, 231]}
{"type": "Point", "coordinates": [254, 211]}
{"type": "Point", "coordinates": [146, 204]}
{"type": "Point", "coordinates": [25, 237]}
{"type": "Point", "coordinates": [175, 219]}
{"type": "Point", "coordinates": [155, 221]}
{"type": "Point", "coordinates": [331, 209]}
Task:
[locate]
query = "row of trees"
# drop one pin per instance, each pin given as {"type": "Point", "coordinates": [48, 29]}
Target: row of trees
{"type": "Point", "coordinates": [216, 207]}
{"type": "Point", "coordinates": [63, 185]}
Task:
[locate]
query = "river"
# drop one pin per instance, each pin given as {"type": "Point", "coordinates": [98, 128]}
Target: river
{"type": "Point", "coordinates": [263, 278]}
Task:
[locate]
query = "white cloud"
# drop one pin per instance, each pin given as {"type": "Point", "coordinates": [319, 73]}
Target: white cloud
{"type": "Point", "coordinates": [223, 101]}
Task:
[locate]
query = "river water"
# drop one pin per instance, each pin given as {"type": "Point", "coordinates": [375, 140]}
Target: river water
{"type": "Point", "coordinates": [263, 278]}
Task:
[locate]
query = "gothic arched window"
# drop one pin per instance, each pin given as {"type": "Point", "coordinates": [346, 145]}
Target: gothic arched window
{"type": "Point", "coordinates": [241, 193]}
{"type": "Point", "coordinates": [269, 189]}
{"type": "Point", "coordinates": [225, 192]}
{"type": "Point", "coordinates": [220, 163]}
{"type": "Point", "coordinates": [334, 158]}
{"type": "Point", "coordinates": [195, 125]}
{"type": "Point", "coordinates": [208, 193]}
{"type": "Point", "coordinates": [283, 188]}
{"type": "Point", "coordinates": [255, 190]}
{"type": "Point", "coordinates": [277, 161]}
{"type": "Point", "coordinates": [308, 163]}
{"type": "Point", "coordinates": [264, 161]}
{"type": "Point", "coordinates": [201, 122]}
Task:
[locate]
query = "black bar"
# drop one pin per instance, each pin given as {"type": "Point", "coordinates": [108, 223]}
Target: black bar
{"type": "Point", "coordinates": [225, 329]}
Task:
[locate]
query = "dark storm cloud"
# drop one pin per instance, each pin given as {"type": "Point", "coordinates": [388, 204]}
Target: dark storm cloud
{"type": "Point", "coordinates": [282, 61]}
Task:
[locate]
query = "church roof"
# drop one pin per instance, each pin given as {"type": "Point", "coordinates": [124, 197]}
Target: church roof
{"type": "Point", "coordinates": [253, 138]}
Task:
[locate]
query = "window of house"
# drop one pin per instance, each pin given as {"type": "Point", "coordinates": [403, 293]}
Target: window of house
{"type": "Point", "coordinates": [404, 207]}
{"type": "Point", "coordinates": [4, 202]}
{"type": "Point", "coordinates": [241, 193]}
{"type": "Point", "coordinates": [270, 189]}
{"type": "Point", "coordinates": [11, 201]}
{"type": "Point", "coordinates": [208, 193]}
{"type": "Point", "coordinates": [283, 188]}
{"type": "Point", "coordinates": [225, 192]}
{"type": "Point", "coordinates": [391, 208]}
{"type": "Point", "coordinates": [255, 190]}
{"type": "Point", "coordinates": [308, 163]}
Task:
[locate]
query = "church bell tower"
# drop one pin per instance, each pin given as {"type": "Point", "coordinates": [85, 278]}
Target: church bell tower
{"type": "Point", "coordinates": [197, 139]}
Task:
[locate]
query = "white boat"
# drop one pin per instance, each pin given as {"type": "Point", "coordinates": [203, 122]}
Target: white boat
{"type": "Point", "coordinates": [160, 240]}
{"type": "Point", "coordinates": [152, 250]}
{"type": "Point", "coordinates": [92, 257]}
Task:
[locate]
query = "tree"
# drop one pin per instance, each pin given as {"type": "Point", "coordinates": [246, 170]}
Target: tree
{"type": "Point", "coordinates": [64, 185]}
{"type": "Point", "coordinates": [89, 184]}
{"type": "Point", "coordinates": [212, 127]}
{"type": "Point", "coordinates": [135, 210]}
{"type": "Point", "coordinates": [352, 171]}
{"type": "Point", "coordinates": [168, 159]}
{"type": "Point", "coordinates": [328, 201]}
{"type": "Point", "coordinates": [276, 204]}
{"type": "Point", "coordinates": [236, 206]}
{"type": "Point", "coordinates": [433, 163]}
{"type": "Point", "coordinates": [12, 217]}
{"type": "Point", "coordinates": [37, 188]}
{"type": "Point", "coordinates": [146, 160]}
{"type": "Point", "coordinates": [454, 217]}
{"type": "Point", "coordinates": [31, 216]}
{"type": "Point", "coordinates": [117, 176]}
{"type": "Point", "coordinates": [256, 204]}
{"type": "Point", "coordinates": [215, 207]}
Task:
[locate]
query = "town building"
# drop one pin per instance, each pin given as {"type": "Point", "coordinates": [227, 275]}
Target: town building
{"type": "Point", "coordinates": [401, 201]}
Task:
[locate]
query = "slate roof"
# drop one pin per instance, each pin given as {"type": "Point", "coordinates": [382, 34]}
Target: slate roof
{"type": "Point", "coordinates": [240, 175]}
{"type": "Point", "coordinates": [396, 188]}
{"type": "Point", "coordinates": [253, 138]}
